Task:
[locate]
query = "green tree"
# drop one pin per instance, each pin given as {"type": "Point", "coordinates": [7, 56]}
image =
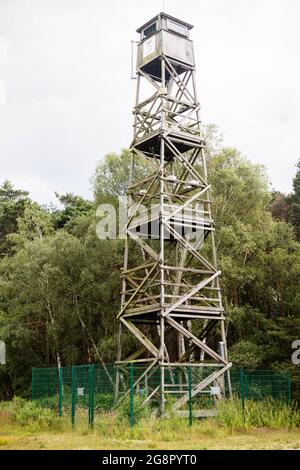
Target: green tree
{"type": "Point", "coordinates": [58, 301]}
{"type": "Point", "coordinates": [112, 174]}
{"type": "Point", "coordinates": [73, 207]}
{"type": "Point", "coordinates": [280, 206]}
{"type": "Point", "coordinates": [294, 201]}
{"type": "Point", "coordinates": [12, 205]}
{"type": "Point", "coordinates": [60, 284]}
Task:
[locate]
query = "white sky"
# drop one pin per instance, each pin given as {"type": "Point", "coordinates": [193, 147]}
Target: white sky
{"type": "Point", "coordinates": [66, 94]}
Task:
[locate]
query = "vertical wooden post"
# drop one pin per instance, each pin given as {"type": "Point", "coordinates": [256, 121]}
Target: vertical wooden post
{"type": "Point", "coordinates": [162, 244]}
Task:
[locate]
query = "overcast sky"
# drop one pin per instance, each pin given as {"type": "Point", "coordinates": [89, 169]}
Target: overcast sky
{"type": "Point", "coordinates": [66, 94]}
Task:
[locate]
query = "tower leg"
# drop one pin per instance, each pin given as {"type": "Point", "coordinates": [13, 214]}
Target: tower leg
{"type": "Point", "coordinates": [119, 355]}
{"type": "Point", "coordinates": [224, 339]}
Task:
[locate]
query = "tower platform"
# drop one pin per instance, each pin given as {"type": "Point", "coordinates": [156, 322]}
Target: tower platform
{"type": "Point", "coordinates": [150, 144]}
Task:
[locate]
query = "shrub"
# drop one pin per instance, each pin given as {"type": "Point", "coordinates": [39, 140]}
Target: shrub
{"type": "Point", "coordinates": [140, 410]}
{"type": "Point", "coordinates": [31, 415]}
{"type": "Point", "coordinates": [104, 401]}
{"type": "Point", "coordinates": [48, 402]}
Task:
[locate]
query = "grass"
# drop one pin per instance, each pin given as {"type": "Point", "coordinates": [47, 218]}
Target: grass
{"type": "Point", "coordinates": [24, 425]}
{"type": "Point", "coordinates": [259, 414]}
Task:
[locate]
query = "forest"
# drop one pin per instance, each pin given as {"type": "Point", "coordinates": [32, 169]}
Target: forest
{"type": "Point", "coordinates": [60, 284]}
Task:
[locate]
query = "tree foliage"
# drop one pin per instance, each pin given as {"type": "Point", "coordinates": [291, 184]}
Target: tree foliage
{"type": "Point", "coordinates": [60, 284]}
{"type": "Point", "coordinates": [294, 201]}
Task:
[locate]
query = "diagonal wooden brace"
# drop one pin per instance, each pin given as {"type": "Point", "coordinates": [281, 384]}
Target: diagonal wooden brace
{"type": "Point", "coordinates": [191, 293]}
{"type": "Point", "coordinates": [142, 338]}
{"type": "Point", "coordinates": [189, 335]}
{"type": "Point", "coordinates": [137, 289]}
{"type": "Point", "coordinates": [201, 386]}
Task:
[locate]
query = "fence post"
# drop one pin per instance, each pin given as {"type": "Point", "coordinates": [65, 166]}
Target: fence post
{"type": "Point", "coordinates": [60, 390]}
{"type": "Point", "coordinates": [85, 385]}
{"type": "Point", "coordinates": [91, 385]}
{"type": "Point", "coordinates": [190, 396]}
{"type": "Point", "coordinates": [131, 404]}
{"type": "Point", "coordinates": [246, 386]}
{"type": "Point", "coordinates": [289, 388]}
{"type": "Point", "coordinates": [33, 383]}
{"type": "Point", "coordinates": [74, 395]}
{"type": "Point", "coordinates": [242, 383]}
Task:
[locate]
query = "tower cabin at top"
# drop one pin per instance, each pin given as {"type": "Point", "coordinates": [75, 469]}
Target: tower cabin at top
{"type": "Point", "coordinates": [164, 35]}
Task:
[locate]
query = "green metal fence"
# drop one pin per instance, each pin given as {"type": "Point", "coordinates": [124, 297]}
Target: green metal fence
{"type": "Point", "coordinates": [86, 390]}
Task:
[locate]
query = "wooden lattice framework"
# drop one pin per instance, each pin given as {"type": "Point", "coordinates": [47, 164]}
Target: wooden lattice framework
{"type": "Point", "coordinates": [171, 299]}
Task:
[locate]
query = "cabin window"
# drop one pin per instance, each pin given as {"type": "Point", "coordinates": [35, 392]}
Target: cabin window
{"type": "Point", "coordinates": [149, 30]}
{"type": "Point", "coordinates": [177, 27]}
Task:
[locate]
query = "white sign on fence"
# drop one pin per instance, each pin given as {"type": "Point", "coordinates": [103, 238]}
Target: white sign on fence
{"type": "Point", "coordinates": [215, 390]}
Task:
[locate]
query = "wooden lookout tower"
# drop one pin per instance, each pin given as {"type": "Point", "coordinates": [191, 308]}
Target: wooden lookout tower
{"type": "Point", "coordinates": [171, 299]}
